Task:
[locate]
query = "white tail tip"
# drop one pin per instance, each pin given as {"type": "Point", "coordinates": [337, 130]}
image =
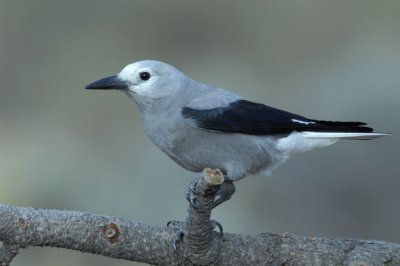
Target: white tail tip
{"type": "Point", "coordinates": [343, 135]}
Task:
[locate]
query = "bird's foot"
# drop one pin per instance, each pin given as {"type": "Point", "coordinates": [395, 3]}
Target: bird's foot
{"type": "Point", "coordinates": [179, 225]}
{"type": "Point", "coordinates": [179, 235]}
{"type": "Point", "coordinates": [215, 224]}
{"type": "Point", "coordinates": [177, 239]}
{"type": "Point", "coordinates": [224, 193]}
{"type": "Point", "coordinates": [192, 193]}
{"type": "Point", "coordinates": [175, 224]}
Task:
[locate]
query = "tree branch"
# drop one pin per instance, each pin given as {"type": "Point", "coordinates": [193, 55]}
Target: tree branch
{"type": "Point", "coordinates": [7, 253]}
{"type": "Point", "coordinates": [115, 237]}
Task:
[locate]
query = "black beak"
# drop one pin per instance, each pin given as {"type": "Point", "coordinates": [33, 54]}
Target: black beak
{"type": "Point", "coordinates": [109, 83]}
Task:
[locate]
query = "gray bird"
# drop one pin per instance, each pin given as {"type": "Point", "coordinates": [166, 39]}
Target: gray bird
{"type": "Point", "coordinates": [200, 126]}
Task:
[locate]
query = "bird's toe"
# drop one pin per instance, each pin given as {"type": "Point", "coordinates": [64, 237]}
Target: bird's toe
{"type": "Point", "coordinates": [175, 224]}
{"type": "Point", "coordinates": [178, 237]}
{"type": "Point", "coordinates": [215, 224]}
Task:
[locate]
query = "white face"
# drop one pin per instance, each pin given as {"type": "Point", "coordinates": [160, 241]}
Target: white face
{"type": "Point", "coordinates": [151, 79]}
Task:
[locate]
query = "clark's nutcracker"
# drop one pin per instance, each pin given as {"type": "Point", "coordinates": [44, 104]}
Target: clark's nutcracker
{"type": "Point", "coordinates": [199, 126]}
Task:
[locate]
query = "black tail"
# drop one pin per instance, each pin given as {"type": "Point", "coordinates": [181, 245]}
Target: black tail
{"type": "Point", "coordinates": [336, 126]}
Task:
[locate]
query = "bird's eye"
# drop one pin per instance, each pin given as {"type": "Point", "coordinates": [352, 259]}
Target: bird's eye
{"type": "Point", "coordinates": [144, 75]}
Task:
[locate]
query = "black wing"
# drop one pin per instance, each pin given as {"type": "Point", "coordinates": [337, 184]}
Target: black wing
{"type": "Point", "coordinates": [258, 119]}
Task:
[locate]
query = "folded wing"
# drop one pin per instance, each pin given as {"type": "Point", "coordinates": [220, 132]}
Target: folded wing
{"type": "Point", "coordinates": [246, 117]}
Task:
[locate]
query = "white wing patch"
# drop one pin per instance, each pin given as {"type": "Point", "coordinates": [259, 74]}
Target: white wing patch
{"type": "Point", "coordinates": [303, 122]}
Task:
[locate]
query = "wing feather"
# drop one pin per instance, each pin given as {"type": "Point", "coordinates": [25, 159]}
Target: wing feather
{"type": "Point", "coordinates": [246, 117]}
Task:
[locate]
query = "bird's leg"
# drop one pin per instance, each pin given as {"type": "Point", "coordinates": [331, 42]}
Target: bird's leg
{"type": "Point", "coordinates": [224, 193]}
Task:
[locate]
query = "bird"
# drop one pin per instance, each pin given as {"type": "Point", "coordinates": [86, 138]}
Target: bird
{"type": "Point", "coordinates": [200, 126]}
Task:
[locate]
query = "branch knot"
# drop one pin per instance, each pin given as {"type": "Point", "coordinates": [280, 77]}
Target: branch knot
{"type": "Point", "coordinates": [111, 232]}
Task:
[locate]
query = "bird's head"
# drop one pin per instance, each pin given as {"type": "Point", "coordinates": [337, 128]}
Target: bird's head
{"type": "Point", "coordinates": [143, 80]}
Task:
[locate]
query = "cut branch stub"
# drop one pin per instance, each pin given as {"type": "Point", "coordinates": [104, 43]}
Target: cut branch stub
{"type": "Point", "coordinates": [213, 177]}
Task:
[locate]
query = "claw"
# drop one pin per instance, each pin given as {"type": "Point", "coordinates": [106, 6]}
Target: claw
{"type": "Point", "coordinates": [179, 234]}
{"type": "Point", "coordinates": [192, 201]}
{"type": "Point", "coordinates": [215, 224]}
{"type": "Point", "coordinates": [191, 193]}
{"type": "Point", "coordinates": [190, 196]}
{"type": "Point", "coordinates": [176, 239]}
{"type": "Point", "coordinates": [224, 193]}
{"type": "Point", "coordinates": [175, 223]}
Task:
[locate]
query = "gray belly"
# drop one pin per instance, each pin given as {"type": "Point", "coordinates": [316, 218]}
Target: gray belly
{"type": "Point", "coordinates": [237, 155]}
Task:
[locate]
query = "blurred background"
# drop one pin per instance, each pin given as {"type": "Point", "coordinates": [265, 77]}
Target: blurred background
{"type": "Point", "coordinates": [66, 148]}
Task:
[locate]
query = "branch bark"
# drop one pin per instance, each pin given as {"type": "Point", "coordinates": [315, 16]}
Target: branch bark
{"type": "Point", "coordinates": [22, 227]}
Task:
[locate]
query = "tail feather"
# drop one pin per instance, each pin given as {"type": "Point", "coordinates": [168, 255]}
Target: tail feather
{"type": "Point", "coordinates": [341, 130]}
{"type": "Point", "coordinates": [337, 126]}
{"type": "Point", "coordinates": [344, 135]}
